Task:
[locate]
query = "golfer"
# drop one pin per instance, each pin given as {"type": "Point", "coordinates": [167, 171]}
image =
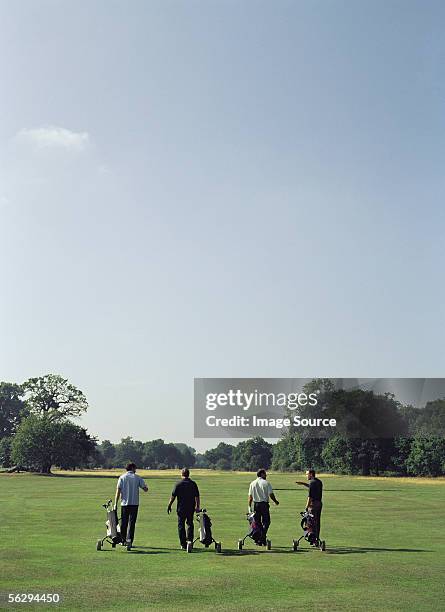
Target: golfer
{"type": "Point", "coordinates": [127, 489]}
{"type": "Point", "coordinates": [259, 492]}
{"type": "Point", "coordinates": [314, 504]}
{"type": "Point", "coordinates": [187, 494]}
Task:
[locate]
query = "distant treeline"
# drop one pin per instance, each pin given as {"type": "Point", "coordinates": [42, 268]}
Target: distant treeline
{"type": "Point", "coordinates": [36, 433]}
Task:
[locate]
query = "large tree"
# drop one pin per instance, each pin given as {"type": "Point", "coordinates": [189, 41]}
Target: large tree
{"type": "Point", "coordinates": [188, 454]}
{"type": "Point", "coordinates": [252, 455]}
{"type": "Point", "coordinates": [41, 443]}
{"type": "Point", "coordinates": [427, 456]}
{"type": "Point", "coordinates": [287, 454]}
{"type": "Point", "coordinates": [12, 408]}
{"type": "Point", "coordinates": [108, 452]}
{"type": "Point", "coordinates": [431, 420]}
{"type": "Point", "coordinates": [220, 456]}
{"type": "Point", "coordinates": [54, 397]}
{"type": "Point", "coordinates": [129, 450]}
{"type": "Point", "coordinates": [5, 452]}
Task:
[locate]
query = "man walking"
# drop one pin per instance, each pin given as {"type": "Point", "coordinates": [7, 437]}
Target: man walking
{"type": "Point", "coordinates": [187, 494]}
{"type": "Point", "coordinates": [259, 492]}
{"type": "Point", "coordinates": [314, 501]}
{"type": "Point", "coordinates": [128, 487]}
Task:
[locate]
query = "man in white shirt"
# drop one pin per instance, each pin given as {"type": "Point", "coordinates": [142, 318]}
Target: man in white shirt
{"type": "Point", "coordinates": [128, 487]}
{"type": "Point", "coordinates": [259, 492]}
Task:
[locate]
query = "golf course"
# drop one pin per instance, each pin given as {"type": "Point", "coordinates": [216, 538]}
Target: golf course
{"type": "Point", "coordinates": [385, 545]}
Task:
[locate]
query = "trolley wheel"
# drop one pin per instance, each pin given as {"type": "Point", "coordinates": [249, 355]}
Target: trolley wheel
{"type": "Point", "coordinates": [113, 545]}
{"type": "Point", "coordinates": [295, 544]}
{"type": "Point", "coordinates": [189, 547]}
{"type": "Point", "coordinates": [240, 545]}
{"type": "Point", "coordinates": [268, 544]}
{"type": "Point", "coordinates": [323, 545]}
{"type": "Point", "coordinates": [218, 547]}
{"type": "Point", "coordinates": [99, 545]}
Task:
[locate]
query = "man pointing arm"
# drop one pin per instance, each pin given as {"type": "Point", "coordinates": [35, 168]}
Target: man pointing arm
{"type": "Point", "coordinates": [315, 494]}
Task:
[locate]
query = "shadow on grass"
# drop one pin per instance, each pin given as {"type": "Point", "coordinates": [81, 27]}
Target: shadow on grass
{"type": "Point", "coordinates": [142, 550]}
{"type": "Point", "coordinates": [277, 550]}
{"type": "Point", "coordinates": [249, 551]}
{"type": "Point", "coordinates": [134, 551]}
{"type": "Point", "coordinates": [234, 552]}
{"type": "Point", "coordinates": [348, 550]}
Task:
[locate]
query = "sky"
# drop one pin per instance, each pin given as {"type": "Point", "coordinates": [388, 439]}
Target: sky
{"type": "Point", "coordinates": [219, 189]}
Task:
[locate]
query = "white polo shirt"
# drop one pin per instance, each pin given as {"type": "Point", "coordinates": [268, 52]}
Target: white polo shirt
{"type": "Point", "coordinates": [260, 489]}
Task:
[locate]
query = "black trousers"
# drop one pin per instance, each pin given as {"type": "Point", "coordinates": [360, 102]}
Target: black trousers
{"type": "Point", "coordinates": [316, 509]}
{"type": "Point", "coordinates": [128, 523]}
{"type": "Point", "coordinates": [262, 516]}
{"type": "Point", "coordinates": [185, 517]}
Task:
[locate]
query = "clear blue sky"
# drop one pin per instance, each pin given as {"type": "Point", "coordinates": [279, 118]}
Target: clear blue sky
{"type": "Point", "coordinates": [219, 189]}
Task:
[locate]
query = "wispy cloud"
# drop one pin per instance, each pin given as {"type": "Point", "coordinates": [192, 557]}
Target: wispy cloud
{"type": "Point", "coordinates": [54, 137]}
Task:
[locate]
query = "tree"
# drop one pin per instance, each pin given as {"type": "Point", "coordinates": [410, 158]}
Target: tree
{"type": "Point", "coordinates": [427, 457]}
{"type": "Point", "coordinates": [54, 397]}
{"type": "Point", "coordinates": [129, 450]}
{"type": "Point", "coordinates": [5, 452]}
{"type": "Point", "coordinates": [359, 414]}
{"type": "Point", "coordinates": [223, 452]}
{"type": "Point", "coordinates": [287, 454]}
{"type": "Point", "coordinates": [75, 447]}
{"type": "Point", "coordinates": [337, 455]}
{"type": "Point", "coordinates": [173, 456]}
{"type": "Point", "coordinates": [402, 450]}
{"type": "Point", "coordinates": [431, 420]}
{"type": "Point", "coordinates": [311, 452]}
{"type": "Point", "coordinates": [108, 453]}
{"type": "Point", "coordinates": [223, 464]}
{"type": "Point", "coordinates": [187, 454]}
{"type": "Point", "coordinates": [201, 461]}
{"type": "Point", "coordinates": [41, 443]}
{"type": "Point", "coordinates": [12, 408]}
{"type": "Point", "coordinates": [154, 453]}
{"type": "Point", "coordinates": [252, 455]}
{"type": "Point", "coordinates": [410, 415]}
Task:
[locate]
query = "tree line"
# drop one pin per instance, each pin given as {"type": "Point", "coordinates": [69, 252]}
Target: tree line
{"type": "Point", "coordinates": [377, 435]}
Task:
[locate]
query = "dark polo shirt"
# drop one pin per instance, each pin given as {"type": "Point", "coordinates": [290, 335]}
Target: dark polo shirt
{"type": "Point", "coordinates": [315, 489]}
{"type": "Point", "coordinates": [185, 491]}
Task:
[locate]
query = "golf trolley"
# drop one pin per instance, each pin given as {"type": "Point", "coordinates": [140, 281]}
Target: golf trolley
{"type": "Point", "coordinates": [309, 530]}
{"type": "Point", "coordinates": [113, 536]}
{"type": "Point", "coordinates": [205, 532]}
{"type": "Point", "coordinates": [255, 533]}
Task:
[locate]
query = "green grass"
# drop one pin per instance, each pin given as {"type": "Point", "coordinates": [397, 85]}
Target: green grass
{"type": "Point", "coordinates": [385, 546]}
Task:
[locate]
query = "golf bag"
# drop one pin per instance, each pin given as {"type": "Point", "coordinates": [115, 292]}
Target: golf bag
{"type": "Point", "coordinates": [113, 527]}
{"type": "Point", "coordinates": [205, 530]}
{"type": "Point", "coordinates": [256, 529]}
{"type": "Point", "coordinates": [308, 526]}
{"type": "Point", "coordinates": [256, 533]}
{"type": "Point", "coordinates": [113, 536]}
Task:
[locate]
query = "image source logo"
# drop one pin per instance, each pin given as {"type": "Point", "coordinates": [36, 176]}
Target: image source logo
{"type": "Point", "coordinates": [269, 407]}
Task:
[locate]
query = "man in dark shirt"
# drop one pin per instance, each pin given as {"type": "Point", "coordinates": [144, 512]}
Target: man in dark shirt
{"type": "Point", "coordinates": [315, 494]}
{"type": "Point", "coordinates": [187, 494]}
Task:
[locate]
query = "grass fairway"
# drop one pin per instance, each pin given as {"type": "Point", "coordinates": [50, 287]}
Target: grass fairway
{"type": "Point", "coordinates": [385, 546]}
